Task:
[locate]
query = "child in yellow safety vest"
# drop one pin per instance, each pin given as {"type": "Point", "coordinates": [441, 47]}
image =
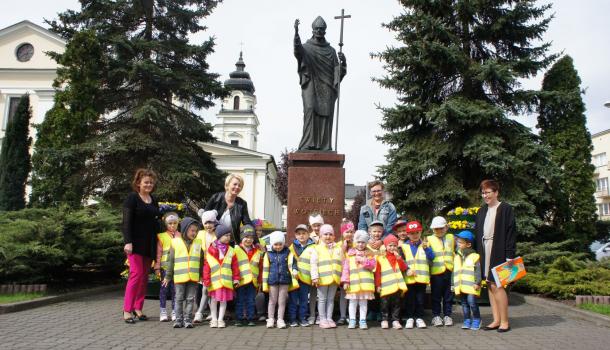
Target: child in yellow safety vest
{"type": "Point", "coordinates": [249, 260]}
{"type": "Point", "coordinates": [326, 265]}
{"type": "Point", "coordinates": [467, 280]}
{"type": "Point", "coordinates": [220, 274]}
{"type": "Point", "coordinates": [184, 267]}
{"type": "Point", "coordinates": [418, 255]}
{"type": "Point", "coordinates": [346, 242]}
{"type": "Point", "coordinates": [164, 243]}
{"type": "Point", "coordinates": [207, 236]}
{"type": "Point", "coordinates": [315, 223]}
{"type": "Point", "coordinates": [443, 246]}
{"type": "Point", "coordinates": [390, 282]}
{"type": "Point", "coordinates": [298, 300]}
{"type": "Point", "coordinates": [279, 277]}
{"type": "Point", "coordinates": [358, 279]}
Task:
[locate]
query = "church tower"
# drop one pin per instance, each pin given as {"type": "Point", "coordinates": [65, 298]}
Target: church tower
{"type": "Point", "coordinates": [237, 123]}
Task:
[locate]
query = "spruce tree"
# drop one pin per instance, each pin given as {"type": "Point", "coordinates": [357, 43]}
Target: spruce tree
{"type": "Point", "coordinates": [153, 79]}
{"type": "Point", "coordinates": [58, 162]}
{"type": "Point", "coordinates": [562, 124]}
{"type": "Point", "coordinates": [456, 74]}
{"type": "Point", "coordinates": [15, 158]}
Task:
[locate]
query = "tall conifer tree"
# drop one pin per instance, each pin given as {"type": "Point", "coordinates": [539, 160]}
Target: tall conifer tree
{"type": "Point", "coordinates": [15, 158]}
{"type": "Point", "coordinates": [562, 124]}
{"type": "Point", "coordinates": [456, 74]}
{"type": "Point", "coordinates": [59, 159]}
{"type": "Point", "coordinates": [152, 80]}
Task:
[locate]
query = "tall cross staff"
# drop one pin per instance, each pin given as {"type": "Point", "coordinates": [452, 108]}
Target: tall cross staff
{"type": "Point", "coordinates": [342, 17]}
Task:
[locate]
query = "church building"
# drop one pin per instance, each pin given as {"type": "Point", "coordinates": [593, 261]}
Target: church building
{"type": "Point", "coordinates": [236, 148]}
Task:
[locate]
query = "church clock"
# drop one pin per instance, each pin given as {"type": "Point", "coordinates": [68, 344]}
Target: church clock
{"type": "Point", "coordinates": [24, 52]}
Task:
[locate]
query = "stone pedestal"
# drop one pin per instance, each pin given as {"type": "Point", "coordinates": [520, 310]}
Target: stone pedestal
{"type": "Point", "coordinates": [316, 183]}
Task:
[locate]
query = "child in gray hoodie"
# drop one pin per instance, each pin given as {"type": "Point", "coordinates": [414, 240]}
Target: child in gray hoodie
{"type": "Point", "coordinates": [184, 267]}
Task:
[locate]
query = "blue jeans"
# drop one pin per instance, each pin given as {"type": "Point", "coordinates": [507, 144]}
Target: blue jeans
{"type": "Point", "coordinates": [440, 288]}
{"type": "Point", "coordinates": [163, 291]}
{"type": "Point", "coordinates": [298, 302]}
{"type": "Point", "coordinates": [469, 304]}
{"type": "Point", "coordinates": [245, 303]}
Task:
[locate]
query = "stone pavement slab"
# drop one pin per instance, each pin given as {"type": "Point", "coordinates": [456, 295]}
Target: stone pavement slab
{"type": "Point", "coordinates": [96, 323]}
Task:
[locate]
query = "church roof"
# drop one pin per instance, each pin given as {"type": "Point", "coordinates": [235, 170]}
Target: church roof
{"type": "Point", "coordinates": [35, 27]}
{"type": "Point", "coordinates": [240, 79]}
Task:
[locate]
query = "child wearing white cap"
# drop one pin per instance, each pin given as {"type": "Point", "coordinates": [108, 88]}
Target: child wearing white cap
{"type": "Point", "coordinates": [279, 275]}
{"type": "Point", "coordinates": [443, 246]}
{"type": "Point", "coordinates": [326, 264]}
{"type": "Point", "coordinates": [315, 222]}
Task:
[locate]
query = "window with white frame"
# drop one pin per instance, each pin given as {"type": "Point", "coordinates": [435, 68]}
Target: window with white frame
{"type": "Point", "coordinates": [603, 209]}
{"type": "Point", "coordinates": [601, 184]}
{"type": "Point", "coordinates": [600, 159]}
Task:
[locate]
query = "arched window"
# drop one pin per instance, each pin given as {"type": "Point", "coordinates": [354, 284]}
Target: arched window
{"type": "Point", "coordinates": [236, 103]}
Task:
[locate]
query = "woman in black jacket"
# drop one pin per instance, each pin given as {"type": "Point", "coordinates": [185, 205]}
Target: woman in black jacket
{"type": "Point", "coordinates": [496, 231]}
{"type": "Point", "coordinates": [232, 210]}
{"type": "Point", "coordinates": [140, 228]}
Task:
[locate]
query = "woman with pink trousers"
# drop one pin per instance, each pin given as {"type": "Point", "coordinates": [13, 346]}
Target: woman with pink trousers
{"type": "Point", "coordinates": [140, 228]}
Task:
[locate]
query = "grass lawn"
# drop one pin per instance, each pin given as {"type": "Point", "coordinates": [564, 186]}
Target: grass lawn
{"type": "Point", "coordinates": [13, 298]}
{"type": "Point", "coordinates": [599, 308]}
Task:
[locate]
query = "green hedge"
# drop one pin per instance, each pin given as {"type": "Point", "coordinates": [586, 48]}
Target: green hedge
{"type": "Point", "coordinates": [556, 271]}
{"type": "Point", "coordinates": [55, 245]}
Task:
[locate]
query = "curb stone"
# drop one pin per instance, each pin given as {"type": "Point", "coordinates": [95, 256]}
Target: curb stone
{"type": "Point", "coordinates": [48, 300]}
{"type": "Point", "coordinates": [564, 310]}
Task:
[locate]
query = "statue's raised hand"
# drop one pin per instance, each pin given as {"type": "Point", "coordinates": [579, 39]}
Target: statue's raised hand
{"type": "Point", "coordinates": [296, 25]}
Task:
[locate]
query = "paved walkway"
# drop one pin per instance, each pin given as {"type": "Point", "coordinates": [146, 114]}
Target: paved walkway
{"type": "Point", "coordinates": [95, 323]}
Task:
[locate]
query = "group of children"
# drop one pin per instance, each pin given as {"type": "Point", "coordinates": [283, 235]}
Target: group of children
{"type": "Point", "coordinates": [391, 273]}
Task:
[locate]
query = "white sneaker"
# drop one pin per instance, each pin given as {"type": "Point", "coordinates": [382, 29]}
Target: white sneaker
{"type": "Point", "coordinates": [420, 323]}
{"type": "Point", "coordinates": [173, 315]}
{"type": "Point", "coordinates": [409, 324]}
{"type": "Point", "coordinates": [198, 317]}
{"type": "Point", "coordinates": [281, 324]}
{"type": "Point", "coordinates": [384, 325]}
{"type": "Point", "coordinates": [396, 325]}
{"type": "Point", "coordinates": [270, 322]}
{"type": "Point", "coordinates": [163, 316]}
{"type": "Point", "coordinates": [437, 321]}
{"type": "Point", "coordinates": [221, 324]}
{"type": "Point", "coordinates": [213, 323]}
{"type": "Point", "coordinates": [448, 321]}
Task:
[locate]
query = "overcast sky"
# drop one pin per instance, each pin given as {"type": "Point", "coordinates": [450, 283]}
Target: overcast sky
{"type": "Point", "coordinates": [265, 27]}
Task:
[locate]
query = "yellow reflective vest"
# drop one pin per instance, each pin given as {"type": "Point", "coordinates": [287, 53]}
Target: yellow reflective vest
{"type": "Point", "coordinates": [221, 274]}
{"type": "Point", "coordinates": [443, 253]}
{"type": "Point", "coordinates": [248, 268]}
{"type": "Point", "coordinates": [391, 281]}
{"type": "Point", "coordinates": [329, 264]}
{"type": "Point", "coordinates": [360, 279]}
{"type": "Point", "coordinates": [303, 263]}
{"type": "Point", "coordinates": [166, 243]}
{"type": "Point", "coordinates": [463, 275]}
{"type": "Point", "coordinates": [419, 264]}
{"type": "Point", "coordinates": [187, 264]}
{"type": "Point", "coordinates": [205, 242]}
{"type": "Point", "coordinates": [294, 284]}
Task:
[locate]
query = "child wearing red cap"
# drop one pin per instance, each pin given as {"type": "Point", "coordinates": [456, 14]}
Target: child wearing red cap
{"type": "Point", "coordinates": [418, 256]}
{"type": "Point", "coordinates": [390, 283]}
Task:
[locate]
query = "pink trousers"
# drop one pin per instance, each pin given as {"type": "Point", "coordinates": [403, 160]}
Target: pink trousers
{"type": "Point", "coordinates": [135, 291]}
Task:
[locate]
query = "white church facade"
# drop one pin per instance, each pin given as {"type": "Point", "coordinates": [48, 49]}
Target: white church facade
{"type": "Point", "coordinates": [25, 68]}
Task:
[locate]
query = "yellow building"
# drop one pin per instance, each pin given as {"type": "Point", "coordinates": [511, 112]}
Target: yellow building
{"type": "Point", "coordinates": [25, 68]}
{"type": "Point", "coordinates": [601, 151]}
